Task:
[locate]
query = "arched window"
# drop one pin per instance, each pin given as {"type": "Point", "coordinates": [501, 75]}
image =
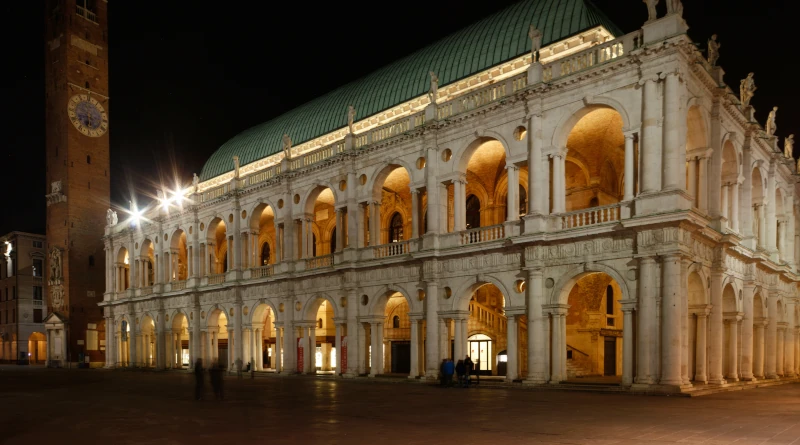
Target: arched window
{"type": "Point", "coordinates": [333, 240]}
{"type": "Point", "coordinates": [88, 159]}
{"type": "Point", "coordinates": [319, 324]}
{"type": "Point", "coordinates": [473, 212]}
{"type": "Point", "coordinates": [396, 228]}
{"type": "Point", "coordinates": [313, 245]}
{"type": "Point", "coordinates": [396, 321]}
{"type": "Point", "coordinates": [225, 262]}
{"type": "Point", "coordinates": [265, 252]}
{"type": "Point", "coordinates": [610, 300]}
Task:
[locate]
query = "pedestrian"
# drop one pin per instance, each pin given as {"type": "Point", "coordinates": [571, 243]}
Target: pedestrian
{"type": "Point", "coordinates": [449, 368]}
{"type": "Point", "coordinates": [198, 379]}
{"type": "Point", "coordinates": [468, 368]}
{"type": "Point", "coordinates": [238, 364]}
{"type": "Point", "coordinates": [215, 372]}
{"type": "Point", "coordinates": [442, 368]}
{"type": "Point", "coordinates": [460, 368]}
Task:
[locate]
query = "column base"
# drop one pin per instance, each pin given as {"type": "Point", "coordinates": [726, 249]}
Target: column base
{"type": "Point", "coordinates": [701, 379]}
{"type": "Point", "coordinates": [730, 379]}
{"type": "Point", "coordinates": [717, 381]}
{"type": "Point", "coordinates": [534, 223]}
{"type": "Point", "coordinates": [534, 381]}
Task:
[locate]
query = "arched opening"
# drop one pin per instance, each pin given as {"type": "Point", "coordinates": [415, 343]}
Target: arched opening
{"type": "Point", "coordinates": [758, 209]}
{"type": "Point", "coordinates": [485, 333]}
{"type": "Point", "coordinates": [697, 157]}
{"type": "Point", "coordinates": [730, 353]}
{"type": "Point", "coordinates": [729, 197]}
{"type": "Point", "coordinates": [147, 264]}
{"type": "Point", "coordinates": [487, 180]}
{"type": "Point", "coordinates": [266, 349]}
{"type": "Point", "coordinates": [595, 162]}
{"type": "Point", "coordinates": [262, 242]}
{"type": "Point", "coordinates": [319, 353]}
{"type": "Point", "coordinates": [217, 339]}
{"type": "Point", "coordinates": [321, 205]}
{"type": "Point", "coordinates": [178, 257]}
{"type": "Point", "coordinates": [473, 212]}
{"type": "Point", "coordinates": [396, 336]}
{"type": "Point", "coordinates": [393, 192]}
{"type": "Point", "coordinates": [698, 329]}
{"type": "Point", "coordinates": [37, 348]}
{"type": "Point", "coordinates": [123, 339]}
{"type": "Point", "coordinates": [781, 219]}
{"type": "Point", "coordinates": [123, 270]}
{"type": "Point", "coordinates": [594, 329]}
{"type": "Point", "coordinates": [217, 247]}
{"type": "Point", "coordinates": [147, 342]}
{"type": "Point", "coordinates": [760, 322]}
{"type": "Point", "coordinates": [177, 342]}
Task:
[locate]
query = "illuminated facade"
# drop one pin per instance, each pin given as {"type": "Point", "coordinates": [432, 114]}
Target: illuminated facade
{"type": "Point", "coordinates": [606, 211]}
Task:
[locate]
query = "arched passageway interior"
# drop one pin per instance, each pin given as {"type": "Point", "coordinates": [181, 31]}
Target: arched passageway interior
{"type": "Point", "coordinates": [147, 264]}
{"type": "Point", "coordinates": [697, 157]}
{"type": "Point", "coordinates": [177, 257]}
{"type": "Point", "coordinates": [485, 333]}
{"type": "Point", "coordinates": [397, 336]}
{"type": "Point", "coordinates": [147, 342]}
{"type": "Point", "coordinates": [178, 342]}
{"type": "Point", "coordinates": [123, 270]}
{"type": "Point", "coordinates": [732, 318]}
{"type": "Point", "coordinates": [216, 247]}
{"type": "Point", "coordinates": [759, 207]}
{"type": "Point", "coordinates": [267, 347]}
{"type": "Point", "coordinates": [594, 164]}
{"type": "Point", "coordinates": [318, 237]}
{"type": "Point", "coordinates": [262, 248]}
{"type": "Point", "coordinates": [594, 328]}
{"type": "Point", "coordinates": [316, 351]}
{"type": "Point", "coordinates": [37, 347]}
{"type": "Point", "coordinates": [698, 329]}
{"type": "Point", "coordinates": [123, 339]}
{"type": "Point", "coordinates": [217, 339]}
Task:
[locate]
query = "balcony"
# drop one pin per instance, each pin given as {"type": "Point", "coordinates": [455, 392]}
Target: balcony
{"type": "Point", "coordinates": [319, 262]}
{"type": "Point", "coordinates": [588, 217]}
{"type": "Point", "coordinates": [393, 249]}
{"type": "Point", "coordinates": [261, 272]}
{"type": "Point", "coordinates": [216, 279]}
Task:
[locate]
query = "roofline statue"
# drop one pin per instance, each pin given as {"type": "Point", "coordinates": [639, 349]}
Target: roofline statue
{"type": "Point", "coordinates": [195, 182]}
{"type": "Point", "coordinates": [235, 166]}
{"type": "Point", "coordinates": [713, 50]}
{"type": "Point", "coordinates": [351, 115]}
{"type": "Point", "coordinates": [652, 14]}
{"type": "Point", "coordinates": [771, 125]}
{"type": "Point", "coordinates": [747, 89]}
{"type": "Point", "coordinates": [536, 42]}
{"type": "Point", "coordinates": [675, 7]}
{"type": "Point", "coordinates": [433, 93]}
{"type": "Point", "coordinates": [287, 146]}
{"type": "Point", "coordinates": [788, 147]}
{"type": "Point", "coordinates": [111, 218]}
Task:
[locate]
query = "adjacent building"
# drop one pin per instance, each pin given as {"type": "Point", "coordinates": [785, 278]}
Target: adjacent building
{"type": "Point", "coordinates": [22, 305]}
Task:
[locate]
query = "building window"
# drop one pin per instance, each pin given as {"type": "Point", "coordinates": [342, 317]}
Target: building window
{"type": "Point", "coordinates": [38, 267]}
{"type": "Point", "coordinates": [91, 340]}
{"type": "Point", "coordinates": [13, 292]}
{"type": "Point", "coordinates": [13, 315]}
{"type": "Point", "coordinates": [87, 9]}
{"type": "Point", "coordinates": [396, 228]}
{"type": "Point", "coordinates": [265, 252]}
{"type": "Point", "coordinates": [37, 244]}
{"type": "Point", "coordinates": [395, 322]}
{"type": "Point", "coordinates": [37, 293]}
{"type": "Point", "coordinates": [319, 324]}
{"type": "Point", "coordinates": [610, 306]}
{"type": "Point", "coordinates": [473, 212]}
{"type": "Point", "coordinates": [91, 260]}
{"type": "Point", "coordinates": [37, 315]}
{"type": "Point", "coordinates": [88, 159]}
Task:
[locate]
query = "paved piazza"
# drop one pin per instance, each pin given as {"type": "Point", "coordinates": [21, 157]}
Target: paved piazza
{"type": "Point", "coordinates": [157, 408]}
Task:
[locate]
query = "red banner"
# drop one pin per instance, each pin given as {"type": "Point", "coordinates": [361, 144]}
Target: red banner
{"type": "Point", "coordinates": [343, 354]}
{"type": "Point", "coordinates": [300, 355]}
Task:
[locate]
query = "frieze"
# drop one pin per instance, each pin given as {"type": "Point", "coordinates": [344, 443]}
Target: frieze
{"type": "Point", "coordinates": [765, 278]}
{"type": "Point", "coordinates": [394, 273]}
{"type": "Point", "coordinates": [579, 249]}
{"type": "Point", "coordinates": [649, 239]}
{"type": "Point", "coordinates": [735, 265]}
{"type": "Point", "coordinates": [318, 283]}
{"type": "Point", "coordinates": [219, 296]}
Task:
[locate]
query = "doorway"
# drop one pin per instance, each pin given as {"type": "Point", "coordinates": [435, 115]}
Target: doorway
{"type": "Point", "coordinates": [480, 351]}
{"type": "Point", "coordinates": [401, 357]}
{"type": "Point", "coordinates": [610, 356]}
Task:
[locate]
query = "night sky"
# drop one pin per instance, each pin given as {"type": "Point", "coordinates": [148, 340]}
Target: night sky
{"type": "Point", "coordinates": [187, 76]}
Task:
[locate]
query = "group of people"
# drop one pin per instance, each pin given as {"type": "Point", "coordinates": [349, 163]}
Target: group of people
{"type": "Point", "coordinates": [463, 369]}
{"type": "Point", "coordinates": [216, 372]}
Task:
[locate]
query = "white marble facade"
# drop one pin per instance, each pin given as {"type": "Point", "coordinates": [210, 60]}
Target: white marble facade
{"type": "Point", "coordinates": [701, 241]}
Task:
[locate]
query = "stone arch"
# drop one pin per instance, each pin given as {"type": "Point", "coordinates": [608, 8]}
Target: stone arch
{"type": "Point", "coordinates": [377, 180]}
{"type": "Point", "coordinates": [729, 299]}
{"type": "Point", "coordinates": [309, 200]}
{"type": "Point", "coordinates": [465, 153]}
{"type": "Point", "coordinates": [257, 209]}
{"type": "Point", "coordinates": [377, 302]}
{"type": "Point", "coordinates": [259, 308]}
{"type": "Point", "coordinates": [122, 254]}
{"type": "Point", "coordinates": [463, 294]}
{"type": "Point", "coordinates": [314, 301]}
{"type": "Point", "coordinates": [579, 110]}
{"type": "Point", "coordinates": [562, 288]}
{"type": "Point", "coordinates": [212, 315]}
{"type": "Point", "coordinates": [174, 317]}
{"type": "Point", "coordinates": [145, 249]}
{"type": "Point", "coordinates": [696, 286]}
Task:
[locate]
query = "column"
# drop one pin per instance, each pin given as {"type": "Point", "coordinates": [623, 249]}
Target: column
{"type": "Point", "coordinates": [781, 335]}
{"type": "Point", "coordinates": [432, 186]}
{"type": "Point", "coordinates": [215, 344]}
{"type": "Point", "coordinates": [724, 202]}
{"type": "Point", "coordinates": [747, 332]}
{"type": "Point", "coordinates": [340, 228]}
{"type": "Point", "coordinates": [702, 193]}
{"type": "Point", "coordinates": [375, 223]}
{"type": "Point", "coordinates": [762, 226]}
{"type": "Point", "coordinates": [646, 338]}
{"type": "Point", "coordinates": [733, 347]}
{"type": "Point", "coordinates": [701, 375]}
{"type": "Point", "coordinates": [771, 341]}
{"type": "Point", "coordinates": [458, 347]}
{"type": "Point", "coordinates": [538, 183]}
{"type": "Point", "coordinates": [353, 331]}
{"type": "Point", "coordinates": [512, 372]}
{"type": "Point", "coordinates": [715, 336]}
{"type": "Point", "coordinates": [512, 202]}
{"type": "Point", "coordinates": [670, 317]}
{"type": "Point", "coordinates": [169, 350]}
{"type": "Point", "coordinates": [788, 354]}
{"type": "Point", "coordinates": [650, 145]}
{"type": "Point", "coordinates": [238, 344]}
{"type": "Point", "coordinates": [627, 345]}
{"type": "Point", "coordinates": [310, 364]}
{"type": "Point", "coordinates": [559, 190]}
{"type": "Point", "coordinates": [459, 205]}
{"type": "Point", "coordinates": [758, 346]}
{"type": "Point", "coordinates": [247, 347]}
{"type": "Point", "coordinates": [672, 147]}
{"type": "Point", "coordinates": [305, 248]}
{"type": "Point", "coordinates": [277, 355]}
{"type": "Point", "coordinates": [558, 346]}
{"type": "Point", "coordinates": [380, 355]}
{"type": "Point", "coordinates": [771, 225]}
{"type": "Point", "coordinates": [337, 343]}
{"type": "Point", "coordinates": [692, 186]}
{"type": "Point", "coordinates": [415, 226]}
{"type": "Point", "coordinates": [431, 330]}
{"type": "Point", "coordinates": [746, 195]}
{"type": "Point", "coordinates": [374, 353]}
{"type": "Point", "coordinates": [538, 326]}
{"type": "Point", "coordinates": [734, 217]}
{"type": "Point", "coordinates": [414, 349]}
{"type": "Point", "coordinates": [629, 173]}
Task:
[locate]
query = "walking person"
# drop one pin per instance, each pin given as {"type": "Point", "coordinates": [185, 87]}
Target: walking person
{"type": "Point", "coordinates": [468, 368]}
{"type": "Point", "coordinates": [449, 368]}
{"type": "Point", "coordinates": [238, 365]}
{"type": "Point", "coordinates": [460, 368]}
{"type": "Point", "coordinates": [198, 379]}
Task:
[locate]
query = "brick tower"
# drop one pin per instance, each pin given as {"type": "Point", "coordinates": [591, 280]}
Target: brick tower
{"type": "Point", "coordinates": [77, 158]}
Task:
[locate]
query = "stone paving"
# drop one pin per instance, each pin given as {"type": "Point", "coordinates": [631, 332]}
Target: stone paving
{"type": "Point", "coordinates": [125, 407]}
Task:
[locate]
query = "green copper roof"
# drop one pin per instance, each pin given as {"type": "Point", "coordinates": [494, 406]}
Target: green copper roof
{"type": "Point", "coordinates": [496, 39]}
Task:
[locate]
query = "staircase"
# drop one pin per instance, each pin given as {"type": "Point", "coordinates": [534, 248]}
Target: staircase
{"type": "Point", "coordinates": [575, 370]}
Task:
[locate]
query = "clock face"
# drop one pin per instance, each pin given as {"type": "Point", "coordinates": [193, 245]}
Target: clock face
{"type": "Point", "coordinates": [87, 115]}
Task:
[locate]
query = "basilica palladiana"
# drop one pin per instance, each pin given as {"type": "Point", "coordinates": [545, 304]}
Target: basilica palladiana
{"type": "Point", "coordinates": [552, 197]}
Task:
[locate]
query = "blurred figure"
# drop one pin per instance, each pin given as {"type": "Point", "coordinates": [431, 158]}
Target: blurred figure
{"type": "Point", "coordinates": [238, 365]}
{"type": "Point", "coordinates": [198, 379]}
{"type": "Point", "coordinates": [468, 368]}
{"type": "Point", "coordinates": [460, 369]}
{"type": "Point", "coordinates": [216, 372]}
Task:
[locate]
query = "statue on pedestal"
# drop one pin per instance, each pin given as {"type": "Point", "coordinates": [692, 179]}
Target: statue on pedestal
{"type": "Point", "coordinates": [235, 166]}
{"type": "Point", "coordinates": [351, 115]}
{"type": "Point", "coordinates": [433, 93]}
{"type": "Point", "coordinates": [536, 43]}
{"type": "Point", "coordinates": [747, 89]}
{"type": "Point", "coordinates": [675, 7]}
{"type": "Point", "coordinates": [287, 146]}
{"type": "Point", "coordinates": [55, 266]}
{"type": "Point", "coordinates": [788, 147]}
{"type": "Point", "coordinates": [713, 50]}
{"type": "Point", "coordinates": [111, 218]}
{"type": "Point", "coordinates": [652, 14]}
{"type": "Point", "coordinates": [771, 126]}
{"type": "Point", "coordinates": [195, 182]}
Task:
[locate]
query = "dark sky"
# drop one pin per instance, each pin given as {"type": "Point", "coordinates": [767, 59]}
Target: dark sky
{"type": "Point", "coordinates": [186, 76]}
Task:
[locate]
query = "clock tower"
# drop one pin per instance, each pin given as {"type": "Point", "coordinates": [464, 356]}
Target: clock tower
{"type": "Point", "coordinates": [77, 160]}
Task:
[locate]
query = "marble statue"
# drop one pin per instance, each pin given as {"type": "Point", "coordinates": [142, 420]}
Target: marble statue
{"type": "Point", "coordinates": [675, 7]}
{"type": "Point", "coordinates": [652, 14]}
{"type": "Point", "coordinates": [287, 146]}
{"type": "Point", "coordinates": [788, 147]}
{"type": "Point", "coordinates": [713, 50]}
{"type": "Point", "coordinates": [747, 89]}
{"type": "Point", "coordinates": [55, 187]}
{"type": "Point", "coordinates": [55, 265]}
{"type": "Point", "coordinates": [771, 126]}
{"type": "Point", "coordinates": [351, 115]}
{"type": "Point", "coordinates": [57, 296]}
{"type": "Point", "coordinates": [195, 182]}
{"type": "Point", "coordinates": [536, 42]}
{"type": "Point", "coordinates": [111, 217]}
{"type": "Point", "coordinates": [235, 166]}
{"type": "Point", "coordinates": [433, 93]}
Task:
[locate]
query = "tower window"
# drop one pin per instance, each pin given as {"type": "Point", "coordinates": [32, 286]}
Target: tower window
{"type": "Point", "coordinates": [88, 159]}
{"type": "Point", "coordinates": [87, 85]}
{"type": "Point", "coordinates": [91, 260]}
